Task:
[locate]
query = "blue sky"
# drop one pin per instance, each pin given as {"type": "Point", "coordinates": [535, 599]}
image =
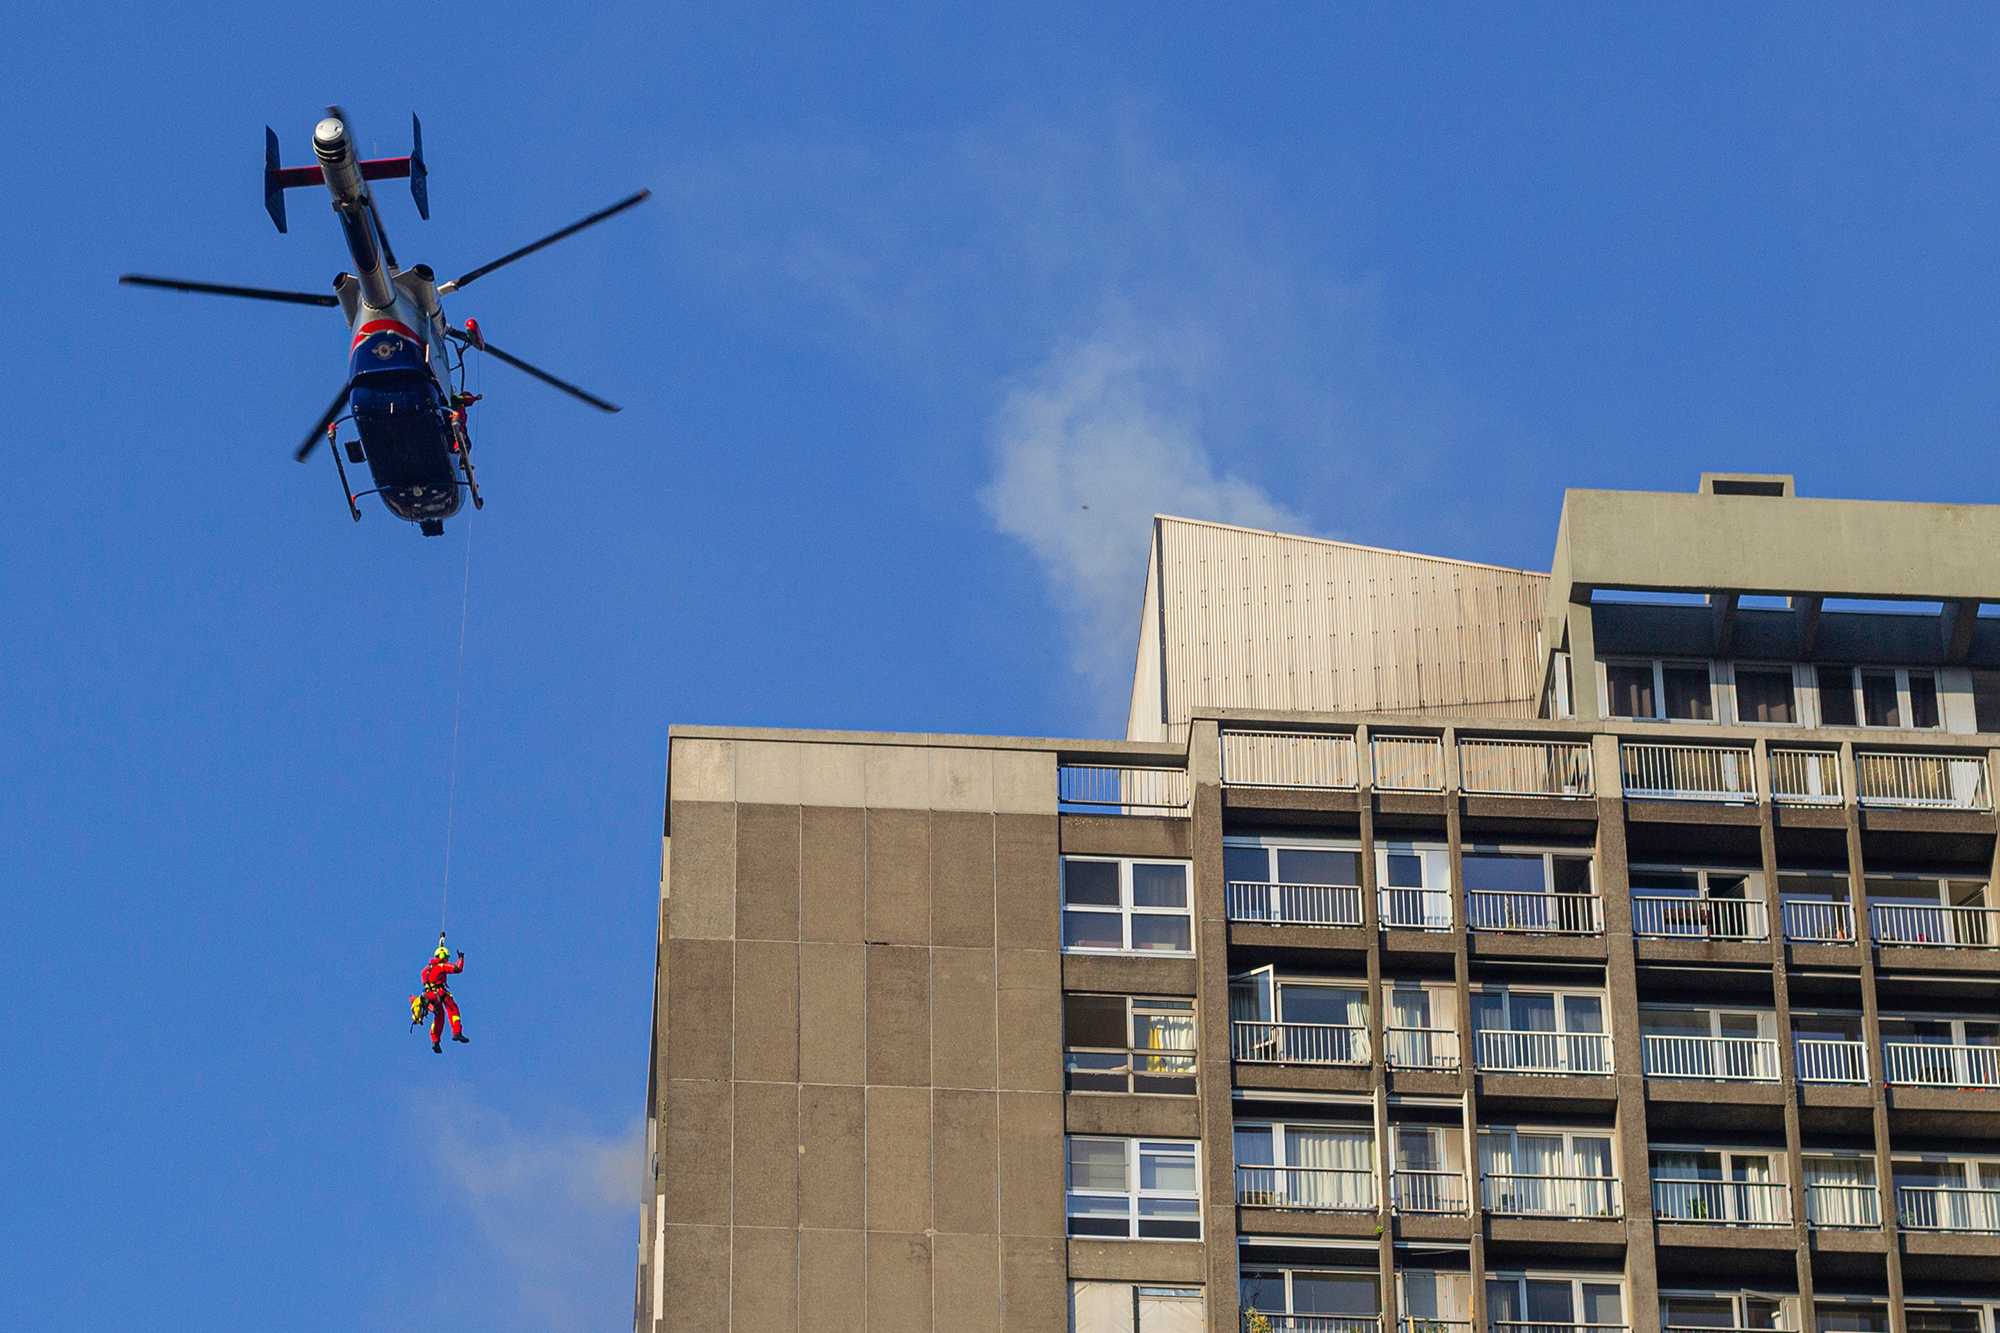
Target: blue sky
{"type": "Point", "coordinates": [916, 287]}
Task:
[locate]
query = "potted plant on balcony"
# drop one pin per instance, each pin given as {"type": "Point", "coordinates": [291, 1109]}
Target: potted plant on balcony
{"type": "Point", "coordinates": [1254, 1322]}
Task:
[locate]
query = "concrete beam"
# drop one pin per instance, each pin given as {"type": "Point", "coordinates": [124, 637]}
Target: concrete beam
{"type": "Point", "coordinates": [1955, 628]}
{"type": "Point", "coordinates": [1808, 609]}
{"type": "Point", "coordinates": [1722, 618]}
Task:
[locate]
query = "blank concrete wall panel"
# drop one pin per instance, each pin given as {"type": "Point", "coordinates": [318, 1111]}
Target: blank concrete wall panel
{"type": "Point", "coordinates": [961, 779]}
{"type": "Point", "coordinates": [966, 1131]}
{"type": "Point", "coordinates": [702, 770]}
{"type": "Point", "coordinates": [968, 1282]}
{"type": "Point", "coordinates": [697, 1275]}
{"type": "Point", "coordinates": [1026, 909]}
{"type": "Point", "coordinates": [1031, 1164]}
{"type": "Point", "coordinates": [833, 1027]}
{"type": "Point", "coordinates": [696, 1136]}
{"type": "Point", "coordinates": [899, 877]}
{"type": "Point", "coordinates": [699, 990]}
{"type": "Point", "coordinates": [899, 1282]}
{"type": "Point", "coordinates": [963, 1020]}
{"type": "Point", "coordinates": [832, 1173]}
{"type": "Point", "coordinates": [1030, 1020]}
{"type": "Point", "coordinates": [767, 1154]}
{"type": "Point", "coordinates": [832, 853]}
{"type": "Point", "coordinates": [767, 1011]}
{"type": "Point", "coordinates": [767, 872]}
{"type": "Point", "coordinates": [767, 772]}
{"type": "Point", "coordinates": [1024, 782]}
{"type": "Point", "coordinates": [899, 1159]}
{"type": "Point", "coordinates": [701, 890]}
{"type": "Point", "coordinates": [1034, 1285]}
{"type": "Point", "coordinates": [896, 777]}
{"type": "Point", "coordinates": [899, 1015]}
{"type": "Point", "coordinates": [833, 1287]}
{"type": "Point", "coordinates": [764, 1278]}
{"type": "Point", "coordinates": [961, 879]}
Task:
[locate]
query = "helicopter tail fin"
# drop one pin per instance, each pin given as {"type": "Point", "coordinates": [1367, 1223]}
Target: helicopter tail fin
{"type": "Point", "coordinates": [274, 188]}
{"type": "Point", "coordinates": [420, 189]}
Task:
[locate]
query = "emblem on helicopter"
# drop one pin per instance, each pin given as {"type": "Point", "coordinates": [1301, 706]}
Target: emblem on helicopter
{"type": "Point", "coordinates": [385, 349]}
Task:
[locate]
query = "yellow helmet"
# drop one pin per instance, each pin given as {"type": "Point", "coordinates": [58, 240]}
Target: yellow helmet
{"type": "Point", "coordinates": [443, 954]}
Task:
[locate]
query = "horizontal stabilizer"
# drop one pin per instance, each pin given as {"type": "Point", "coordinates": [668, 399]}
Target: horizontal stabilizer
{"type": "Point", "coordinates": [375, 169]}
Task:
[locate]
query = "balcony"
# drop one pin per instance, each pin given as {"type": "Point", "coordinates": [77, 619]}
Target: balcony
{"type": "Point", "coordinates": [1551, 1196]}
{"type": "Point", "coordinates": [1422, 1048]}
{"type": "Point", "coordinates": [1819, 1061]}
{"type": "Point", "coordinates": [1415, 909]}
{"type": "Point", "coordinates": [1721, 1059]}
{"type": "Point", "coordinates": [1504, 1052]}
{"type": "Point", "coordinates": [1289, 759]}
{"type": "Point", "coordinates": [1515, 1326]}
{"type": "Point", "coordinates": [1534, 913]}
{"type": "Point", "coordinates": [1424, 1324]}
{"type": "Point", "coordinates": [1294, 904]}
{"type": "Point", "coordinates": [1805, 777]}
{"type": "Point", "coordinates": [1684, 918]}
{"type": "Point", "coordinates": [1935, 1065]}
{"type": "Point", "coordinates": [1441, 1193]}
{"type": "Point", "coordinates": [1525, 768]}
{"type": "Point", "coordinates": [1734, 1203]}
{"type": "Point", "coordinates": [1257, 1321]}
{"type": "Point", "coordinates": [1298, 1043]}
{"type": "Point", "coordinates": [1656, 772]}
{"type": "Point", "coordinates": [1818, 923]}
{"type": "Point", "coordinates": [1844, 1207]}
{"type": "Point", "coordinates": [1937, 927]}
{"type": "Point", "coordinates": [1921, 781]}
{"type": "Point", "coordinates": [1923, 1208]}
{"type": "Point", "coordinates": [1407, 763]}
{"type": "Point", "coordinates": [1309, 1189]}
{"type": "Point", "coordinates": [1103, 789]}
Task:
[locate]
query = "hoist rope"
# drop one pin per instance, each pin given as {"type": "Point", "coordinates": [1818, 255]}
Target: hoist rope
{"type": "Point", "coordinates": [457, 708]}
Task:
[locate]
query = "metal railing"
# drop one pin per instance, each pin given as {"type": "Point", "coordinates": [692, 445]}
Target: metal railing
{"type": "Point", "coordinates": [1414, 909]}
{"type": "Point", "coordinates": [1524, 768]}
{"type": "Point", "coordinates": [1660, 772]}
{"type": "Point", "coordinates": [1818, 923]}
{"type": "Point", "coordinates": [1429, 1192]}
{"type": "Point", "coordinates": [1407, 763]}
{"type": "Point", "coordinates": [1295, 904]}
{"type": "Point", "coordinates": [1504, 1052]}
{"type": "Point", "coordinates": [1806, 777]}
{"type": "Point", "coordinates": [1298, 1043]}
{"type": "Point", "coordinates": [1928, 1065]}
{"type": "Point", "coordinates": [1729, 1059]}
{"type": "Point", "coordinates": [1534, 913]}
{"type": "Point", "coordinates": [1516, 1326]}
{"type": "Point", "coordinates": [1425, 1324]}
{"type": "Point", "coordinates": [1934, 781]}
{"type": "Point", "coordinates": [1738, 1203]}
{"type": "Point", "coordinates": [1820, 1061]}
{"type": "Point", "coordinates": [1844, 1207]}
{"type": "Point", "coordinates": [1937, 927]}
{"type": "Point", "coordinates": [1421, 1048]}
{"type": "Point", "coordinates": [1551, 1196]}
{"type": "Point", "coordinates": [1127, 790]}
{"type": "Point", "coordinates": [1681, 918]}
{"type": "Point", "coordinates": [1312, 1323]}
{"type": "Point", "coordinates": [1317, 761]}
{"type": "Point", "coordinates": [1317, 1189]}
{"type": "Point", "coordinates": [1930, 1208]}
{"type": "Point", "coordinates": [1138, 1070]}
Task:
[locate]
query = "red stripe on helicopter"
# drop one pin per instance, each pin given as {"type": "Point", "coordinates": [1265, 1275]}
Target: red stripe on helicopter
{"type": "Point", "coordinates": [383, 326]}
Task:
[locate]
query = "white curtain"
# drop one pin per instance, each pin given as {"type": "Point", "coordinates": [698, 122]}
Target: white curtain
{"type": "Point", "coordinates": [1342, 1151]}
{"type": "Point", "coordinates": [1100, 1307]}
{"type": "Point", "coordinates": [1171, 1314]}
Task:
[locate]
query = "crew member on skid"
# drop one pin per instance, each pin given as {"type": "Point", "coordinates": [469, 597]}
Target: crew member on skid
{"type": "Point", "coordinates": [437, 996]}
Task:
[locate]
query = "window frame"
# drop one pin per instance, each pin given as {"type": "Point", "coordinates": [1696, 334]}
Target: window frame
{"type": "Point", "coordinates": [1561, 995]}
{"type": "Point", "coordinates": [1134, 1194]}
{"type": "Point", "coordinates": [1522, 1277]}
{"type": "Point", "coordinates": [1790, 669]}
{"type": "Point", "coordinates": [1660, 665]}
{"type": "Point", "coordinates": [1133, 1004]}
{"type": "Point", "coordinates": [1787, 1303]}
{"type": "Point", "coordinates": [1373, 1273]}
{"type": "Point", "coordinates": [1126, 909]}
{"type": "Point", "coordinates": [1905, 702]}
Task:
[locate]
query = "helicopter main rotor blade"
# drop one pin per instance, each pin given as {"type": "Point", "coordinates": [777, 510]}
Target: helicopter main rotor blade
{"type": "Point", "coordinates": [536, 371]}
{"type": "Point", "coordinates": [222, 289]}
{"type": "Point", "coordinates": [318, 432]}
{"type": "Point", "coordinates": [458, 284]}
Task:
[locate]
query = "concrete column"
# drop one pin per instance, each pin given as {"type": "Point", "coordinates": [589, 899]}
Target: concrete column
{"type": "Point", "coordinates": [1787, 1063]}
{"type": "Point", "coordinates": [1583, 664]}
{"type": "Point", "coordinates": [1218, 1140]}
{"type": "Point", "coordinates": [1461, 970]}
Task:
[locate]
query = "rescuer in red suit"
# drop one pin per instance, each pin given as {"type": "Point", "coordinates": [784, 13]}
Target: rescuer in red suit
{"type": "Point", "coordinates": [437, 996]}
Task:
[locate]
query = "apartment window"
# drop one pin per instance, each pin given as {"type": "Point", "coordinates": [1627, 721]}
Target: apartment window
{"type": "Point", "coordinates": [1297, 1022]}
{"type": "Point", "coordinates": [1429, 1169]}
{"type": "Point", "coordinates": [1148, 1188]}
{"type": "Point", "coordinates": [1815, 906]}
{"type": "Point", "coordinates": [1840, 1191]}
{"type": "Point", "coordinates": [1414, 886]}
{"type": "Point", "coordinates": [1314, 1298]}
{"type": "Point", "coordinates": [1661, 691]}
{"type": "Point", "coordinates": [1850, 1317]}
{"type": "Point", "coordinates": [1679, 1310]}
{"type": "Point", "coordinates": [1548, 1173]}
{"type": "Point", "coordinates": [1126, 906]}
{"type": "Point", "coordinates": [1306, 885]}
{"type": "Point", "coordinates": [1307, 1166]}
{"type": "Point", "coordinates": [1530, 1303]}
{"type": "Point", "coordinates": [1529, 892]}
{"type": "Point", "coordinates": [1930, 910]}
{"type": "Point", "coordinates": [1540, 1032]}
{"type": "Point", "coordinates": [1944, 1319]}
{"type": "Point", "coordinates": [1117, 1043]}
{"type": "Point", "coordinates": [1764, 696]}
{"type": "Point", "coordinates": [1986, 700]}
{"type": "Point", "coordinates": [1878, 697]}
{"type": "Point", "coordinates": [1670, 902]}
{"type": "Point", "coordinates": [1719, 1185]}
{"type": "Point", "coordinates": [1421, 1028]}
{"type": "Point", "coordinates": [1939, 1192]}
{"type": "Point", "coordinates": [1123, 1307]}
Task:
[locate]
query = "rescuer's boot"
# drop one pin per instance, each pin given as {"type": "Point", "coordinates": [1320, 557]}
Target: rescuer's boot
{"type": "Point", "coordinates": [439, 1049]}
{"type": "Point", "coordinates": [460, 1036]}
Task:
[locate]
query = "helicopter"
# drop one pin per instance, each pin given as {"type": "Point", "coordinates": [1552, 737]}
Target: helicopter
{"type": "Point", "coordinates": [406, 363]}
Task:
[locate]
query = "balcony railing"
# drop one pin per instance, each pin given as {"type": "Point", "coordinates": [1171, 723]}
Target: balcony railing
{"type": "Point", "coordinates": [1688, 772]}
{"type": "Point", "coordinates": [1504, 1052]}
{"type": "Point", "coordinates": [1821, 1061]}
{"type": "Point", "coordinates": [1929, 781]}
{"type": "Point", "coordinates": [1737, 1203]}
{"type": "Point", "coordinates": [1429, 1192]}
{"type": "Point", "coordinates": [1818, 923]}
{"type": "Point", "coordinates": [1923, 1208]}
{"type": "Point", "coordinates": [1935, 927]}
{"type": "Point", "coordinates": [1844, 1207]}
{"type": "Point", "coordinates": [1314, 761]}
{"type": "Point", "coordinates": [1534, 913]}
{"type": "Point", "coordinates": [1728, 1059]}
{"type": "Point", "coordinates": [1137, 1070]}
{"type": "Point", "coordinates": [1295, 904]}
{"type": "Point", "coordinates": [1312, 1323]}
{"type": "Point", "coordinates": [1313, 1189]}
{"type": "Point", "coordinates": [1681, 918]}
{"type": "Point", "coordinates": [1551, 1196]}
{"type": "Point", "coordinates": [1515, 1326]}
{"type": "Point", "coordinates": [1525, 768]}
{"type": "Point", "coordinates": [1421, 1048]}
{"type": "Point", "coordinates": [1425, 1324]}
{"type": "Point", "coordinates": [1806, 777]}
{"type": "Point", "coordinates": [1414, 909]}
{"type": "Point", "coordinates": [1298, 1043]}
{"type": "Point", "coordinates": [1407, 763]}
{"type": "Point", "coordinates": [1101, 787]}
{"type": "Point", "coordinates": [1929, 1065]}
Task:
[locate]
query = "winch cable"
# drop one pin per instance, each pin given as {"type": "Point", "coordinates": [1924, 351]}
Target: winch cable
{"type": "Point", "coordinates": [457, 709]}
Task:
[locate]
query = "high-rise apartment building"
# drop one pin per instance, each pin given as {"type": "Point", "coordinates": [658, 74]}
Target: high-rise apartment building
{"type": "Point", "coordinates": [1449, 948]}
